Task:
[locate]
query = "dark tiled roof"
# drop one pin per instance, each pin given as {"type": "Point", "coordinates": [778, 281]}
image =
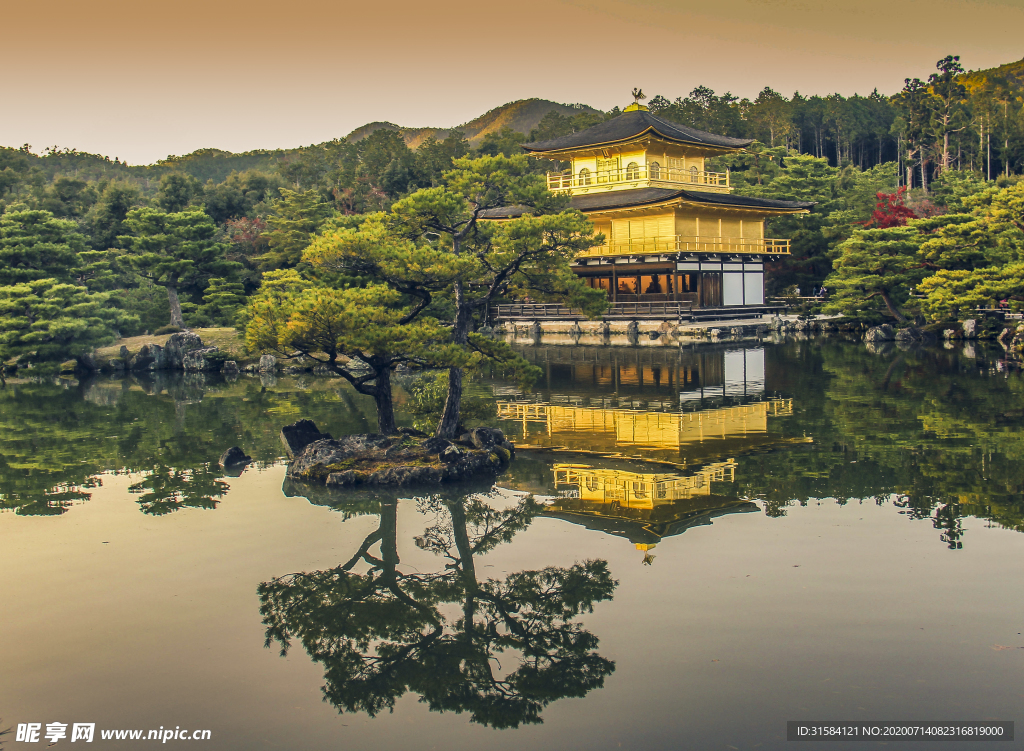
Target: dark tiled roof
{"type": "Point", "coordinates": [730, 199]}
{"type": "Point", "coordinates": [614, 199]}
{"type": "Point", "coordinates": [630, 125]}
{"type": "Point", "coordinates": [621, 199]}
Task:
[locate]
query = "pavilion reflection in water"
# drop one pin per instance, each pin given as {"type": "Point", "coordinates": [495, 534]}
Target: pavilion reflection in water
{"type": "Point", "coordinates": [643, 507]}
{"type": "Point", "coordinates": [699, 407]}
{"type": "Point", "coordinates": [691, 411]}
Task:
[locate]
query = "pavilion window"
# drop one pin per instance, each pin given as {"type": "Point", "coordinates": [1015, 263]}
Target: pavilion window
{"type": "Point", "coordinates": [632, 171]}
{"type": "Point", "coordinates": [607, 170]}
{"type": "Point", "coordinates": [584, 176]}
{"type": "Point", "coordinates": [694, 175]}
{"type": "Point", "coordinates": [654, 170]}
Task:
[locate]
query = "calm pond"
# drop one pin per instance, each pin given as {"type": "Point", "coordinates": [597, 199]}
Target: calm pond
{"type": "Point", "coordinates": [692, 548]}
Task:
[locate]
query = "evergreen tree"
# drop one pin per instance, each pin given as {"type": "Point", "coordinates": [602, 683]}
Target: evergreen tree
{"type": "Point", "coordinates": [949, 103]}
{"type": "Point", "coordinates": [176, 251]}
{"type": "Point", "coordinates": [296, 318]}
{"type": "Point", "coordinates": [36, 245]}
{"type": "Point", "coordinates": [176, 192]}
{"type": "Point", "coordinates": [876, 265]}
{"type": "Point", "coordinates": [436, 241]}
{"type": "Point", "coordinates": [222, 301]}
{"type": "Point", "coordinates": [47, 321]}
{"type": "Point", "coordinates": [107, 217]}
{"type": "Point", "coordinates": [296, 218]}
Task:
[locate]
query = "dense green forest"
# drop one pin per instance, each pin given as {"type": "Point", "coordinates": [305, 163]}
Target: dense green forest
{"type": "Point", "coordinates": [927, 179]}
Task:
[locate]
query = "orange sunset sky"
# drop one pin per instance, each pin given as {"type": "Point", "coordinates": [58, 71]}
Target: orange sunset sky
{"type": "Point", "coordinates": [141, 80]}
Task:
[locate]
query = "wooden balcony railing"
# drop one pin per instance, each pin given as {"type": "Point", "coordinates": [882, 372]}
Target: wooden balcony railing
{"type": "Point", "coordinates": [584, 178]}
{"type": "Point", "coordinates": [690, 244]}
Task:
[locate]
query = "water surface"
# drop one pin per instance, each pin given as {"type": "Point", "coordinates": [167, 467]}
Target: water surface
{"type": "Point", "coordinates": [692, 548]}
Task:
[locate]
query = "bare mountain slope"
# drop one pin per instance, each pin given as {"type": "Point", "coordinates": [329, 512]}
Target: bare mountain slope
{"type": "Point", "coordinates": [521, 116]}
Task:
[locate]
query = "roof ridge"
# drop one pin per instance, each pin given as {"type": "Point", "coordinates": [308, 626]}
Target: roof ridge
{"type": "Point", "coordinates": [632, 125]}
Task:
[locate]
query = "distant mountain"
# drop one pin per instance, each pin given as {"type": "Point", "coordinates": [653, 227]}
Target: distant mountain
{"type": "Point", "coordinates": [522, 116]}
{"type": "Point", "coordinates": [1012, 72]}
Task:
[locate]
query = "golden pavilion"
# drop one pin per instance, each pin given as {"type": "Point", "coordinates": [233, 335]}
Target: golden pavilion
{"type": "Point", "coordinates": [674, 232]}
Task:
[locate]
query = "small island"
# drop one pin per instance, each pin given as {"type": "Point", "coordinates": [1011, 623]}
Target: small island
{"type": "Point", "coordinates": [408, 457]}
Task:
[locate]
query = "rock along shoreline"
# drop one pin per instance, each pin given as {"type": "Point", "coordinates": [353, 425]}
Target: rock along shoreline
{"type": "Point", "coordinates": [410, 457]}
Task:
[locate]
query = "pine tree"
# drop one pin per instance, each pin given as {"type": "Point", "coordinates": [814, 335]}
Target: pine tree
{"type": "Point", "coordinates": [176, 251]}
{"type": "Point", "coordinates": [296, 218]}
{"type": "Point", "coordinates": [435, 244]}
{"type": "Point", "coordinates": [49, 321]}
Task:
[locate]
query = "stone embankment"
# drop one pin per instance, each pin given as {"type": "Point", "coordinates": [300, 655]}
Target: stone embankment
{"type": "Point", "coordinates": [625, 333]}
{"type": "Point", "coordinates": [408, 458]}
{"type": "Point", "coordinates": [183, 352]}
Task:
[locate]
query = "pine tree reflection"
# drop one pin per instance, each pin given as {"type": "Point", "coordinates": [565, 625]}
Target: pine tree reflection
{"type": "Point", "coordinates": [168, 489]}
{"type": "Point", "coordinates": [506, 650]}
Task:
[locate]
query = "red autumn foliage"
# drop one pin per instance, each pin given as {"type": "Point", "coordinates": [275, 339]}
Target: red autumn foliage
{"type": "Point", "coordinates": [891, 210]}
{"type": "Point", "coordinates": [248, 235]}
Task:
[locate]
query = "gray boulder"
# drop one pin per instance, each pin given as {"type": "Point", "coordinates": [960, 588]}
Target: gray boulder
{"type": "Point", "coordinates": [435, 445]}
{"type": "Point", "coordinates": [970, 327]}
{"type": "Point", "coordinates": [883, 333]}
{"type": "Point", "coordinates": [149, 357]}
{"type": "Point", "coordinates": [948, 333]}
{"type": "Point", "coordinates": [313, 461]}
{"type": "Point", "coordinates": [268, 364]}
{"type": "Point", "coordinates": [229, 368]}
{"type": "Point", "coordinates": [485, 438]}
{"type": "Point", "coordinates": [776, 323]}
{"type": "Point", "coordinates": [87, 363]}
{"type": "Point", "coordinates": [178, 345]}
{"type": "Point", "coordinates": [124, 354]}
{"type": "Point", "coordinates": [194, 361]}
{"type": "Point", "coordinates": [300, 434]}
{"type": "Point", "coordinates": [909, 334]}
{"type": "Point", "coordinates": [234, 457]}
{"type": "Point", "coordinates": [451, 454]}
{"type": "Point", "coordinates": [736, 331]}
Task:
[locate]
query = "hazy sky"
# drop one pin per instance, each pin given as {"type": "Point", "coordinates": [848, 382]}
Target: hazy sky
{"type": "Point", "coordinates": [141, 80]}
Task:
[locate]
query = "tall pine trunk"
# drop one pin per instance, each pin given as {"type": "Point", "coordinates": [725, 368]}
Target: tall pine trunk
{"type": "Point", "coordinates": [172, 298]}
{"type": "Point", "coordinates": [891, 307]}
{"type": "Point", "coordinates": [449, 424]}
{"type": "Point", "coordinates": [385, 404]}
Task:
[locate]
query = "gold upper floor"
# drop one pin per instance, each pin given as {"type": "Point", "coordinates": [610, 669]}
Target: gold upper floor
{"type": "Point", "coordinates": [653, 164]}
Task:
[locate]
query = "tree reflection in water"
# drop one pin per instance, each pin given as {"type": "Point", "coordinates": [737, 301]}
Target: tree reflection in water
{"type": "Point", "coordinates": [501, 650]}
{"type": "Point", "coordinates": [168, 489]}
